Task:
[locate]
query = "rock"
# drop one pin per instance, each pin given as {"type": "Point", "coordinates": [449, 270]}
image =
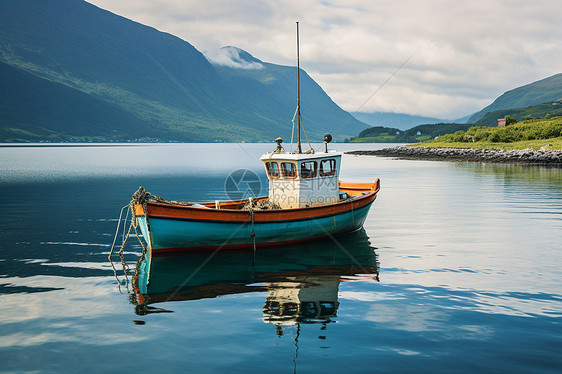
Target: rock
{"type": "Point", "coordinates": [525, 156]}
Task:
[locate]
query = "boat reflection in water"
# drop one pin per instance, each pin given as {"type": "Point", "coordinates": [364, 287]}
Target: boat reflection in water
{"type": "Point", "coordinates": [302, 281]}
{"type": "Point", "coordinates": [302, 299]}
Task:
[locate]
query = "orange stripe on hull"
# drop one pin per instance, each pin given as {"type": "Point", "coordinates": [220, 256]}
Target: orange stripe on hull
{"type": "Point", "coordinates": [363, 194]}
{"type": "Point", "coordinates": [209, 214]}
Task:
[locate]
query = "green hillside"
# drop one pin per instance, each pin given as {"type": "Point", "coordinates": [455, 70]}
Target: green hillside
{"type": "Point", "coordinates": [532, 133]}
{"type": "Point", "coordinates": [542, 91]}
{"type": "Point", "coordinates": [550, 109]}
{"type": "Point", "coordinates": [419, 133]}
{"type": "Point", "coordinates": [33, 108]}
{"type": "Point", "coordinates": [141, 82]}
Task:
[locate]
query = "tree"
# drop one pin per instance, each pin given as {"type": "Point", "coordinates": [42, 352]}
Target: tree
{"type": "Point", "coordinates": [509, 120]}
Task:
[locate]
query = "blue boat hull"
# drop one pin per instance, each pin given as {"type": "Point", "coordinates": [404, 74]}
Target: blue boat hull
{"type": "Point", "coordinates": [175, 234]}
{"type": "Point", "coordinates": [171, 226]}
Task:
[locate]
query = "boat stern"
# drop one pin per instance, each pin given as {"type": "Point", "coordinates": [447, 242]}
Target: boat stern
{"type": "Point", "coordinates": [358, 189]}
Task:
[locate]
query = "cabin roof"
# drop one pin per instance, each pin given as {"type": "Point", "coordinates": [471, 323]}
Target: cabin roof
{"type": "Point", "coordinates": [298, 156]}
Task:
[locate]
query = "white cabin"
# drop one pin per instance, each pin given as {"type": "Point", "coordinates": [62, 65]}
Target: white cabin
{"type": "Point", "coordinates": [299, 180]}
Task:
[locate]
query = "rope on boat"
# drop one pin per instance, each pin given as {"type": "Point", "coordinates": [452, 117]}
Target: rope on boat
{"type": "Point", "coordinates": [117, 230]}
{"type": "Point", "coordinates": [261, 205]}
{"type": "Point", "coordinates": [310, 150]}
{"type": "Point", "coordinates": [293, 130]}
{"type": "Point", "coordinates": [123, 243]}
{"type": "Point", "coordinates": [142, 197]}
{"type": "Point", "coordinates": [251, 210]}
{"type": "Point", "coordinates": [139, 197]}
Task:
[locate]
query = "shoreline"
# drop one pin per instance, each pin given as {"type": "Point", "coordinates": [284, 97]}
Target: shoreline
{"type": "Point", "coordinates": [525, 156]}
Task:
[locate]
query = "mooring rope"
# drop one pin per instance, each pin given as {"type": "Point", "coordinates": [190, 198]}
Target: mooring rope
{"type": "Point", "coordinates": [125, 223]}
{"type": "Point", "coordinates": [253, 234]}
{"type": "Point", "coordinates": [117, 231]}
{"type": "Point", "coordinates": [253, 230]}
{"type": "Point", "coordinates": [139, 197]}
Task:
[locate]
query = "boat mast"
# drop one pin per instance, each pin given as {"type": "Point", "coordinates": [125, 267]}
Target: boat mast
{"type": "Point", "coordinates": [298, 94]}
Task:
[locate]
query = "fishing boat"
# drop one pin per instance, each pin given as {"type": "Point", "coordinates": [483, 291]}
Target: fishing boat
{"type": "Point", "coordinates": [306, 201]}
{"type": "Point", "coordinates": [173, 226]}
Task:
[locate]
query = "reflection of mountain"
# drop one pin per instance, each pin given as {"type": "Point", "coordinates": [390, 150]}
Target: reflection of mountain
{"type": "Point", "coordinates": [302, 281]}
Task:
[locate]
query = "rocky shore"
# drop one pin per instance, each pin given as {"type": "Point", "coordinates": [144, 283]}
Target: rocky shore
{"type": "Point", "coordinates": [525, 156]}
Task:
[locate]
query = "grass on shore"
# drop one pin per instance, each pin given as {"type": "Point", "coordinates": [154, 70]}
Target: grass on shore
{"type": "Point", "coordinates": [532, 133]}
{"type": "Point", "coordinates": [553, 143]}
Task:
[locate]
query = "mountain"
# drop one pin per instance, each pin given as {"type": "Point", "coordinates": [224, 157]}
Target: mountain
{"type": "Point", "coordinates": [546, 110]}
{"type": "Point", "coordinates": [269, 91]}
{"type": "Point", "coordinates": [99, 75]}
{"type": "Point", "coordinates": [34, 109]}
{"type": "Point", "coordinates": [539, 92]}
{"type": "Point", "coordinates": [394, 120]}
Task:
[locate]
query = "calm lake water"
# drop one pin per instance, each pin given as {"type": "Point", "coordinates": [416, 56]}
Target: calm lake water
{"type": "Point", "coordinates": [457, 270]}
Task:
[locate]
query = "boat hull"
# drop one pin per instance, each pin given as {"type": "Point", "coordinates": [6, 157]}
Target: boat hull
{"type": "Point", "coordinates": [172, 227]}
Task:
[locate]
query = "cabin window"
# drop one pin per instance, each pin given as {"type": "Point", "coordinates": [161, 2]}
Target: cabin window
{"type": "Point", "coordinates": [327, 167]}
{"type": "Point", "coordinates": [272, 169]}
{"type": "Point", "coordinates": [309, 169]}
{"type": "Point", "coordinates": [289, 170]}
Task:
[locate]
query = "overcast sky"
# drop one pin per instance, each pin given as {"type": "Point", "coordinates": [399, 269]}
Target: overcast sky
{"type": "Point", "coordinates": [459, 55]}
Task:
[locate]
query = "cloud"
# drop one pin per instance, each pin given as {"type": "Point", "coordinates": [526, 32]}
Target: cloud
{"type": "Point", "coordinates": [234, 58]}
{"type": "Point", "coordinates": [465, 53]}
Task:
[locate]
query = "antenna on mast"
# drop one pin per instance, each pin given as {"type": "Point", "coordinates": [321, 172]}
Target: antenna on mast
{"type": "Point", "coordinates": [298, 94]}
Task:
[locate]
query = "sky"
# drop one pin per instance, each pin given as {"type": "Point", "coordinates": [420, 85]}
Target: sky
{"type": "Point", "coordinates": [436, 58]}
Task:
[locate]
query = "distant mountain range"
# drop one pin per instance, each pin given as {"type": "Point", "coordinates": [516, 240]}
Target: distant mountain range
{"type": "Point", "coordinates": [536, 100]}
{"type": "Point", "coordinates": [72, 71]}
{"type": "Point", "coordinates": [539, 92]}
{"type": "Point", "coordinates": [513, 102]}
{"type": "Point", "coordinates": [395, 120]}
